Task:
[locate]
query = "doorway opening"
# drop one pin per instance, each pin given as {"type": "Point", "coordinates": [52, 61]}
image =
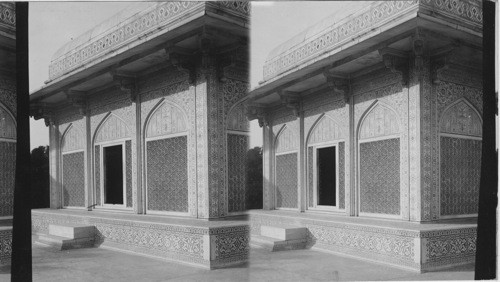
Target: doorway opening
{"type": "Point", "coordinates": [326, 167]}
{"type": "Point", "coordinates": [113, 175]}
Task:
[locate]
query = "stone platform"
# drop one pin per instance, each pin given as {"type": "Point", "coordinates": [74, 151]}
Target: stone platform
{"type": "Point", "coordinates": [68, 236]}
{"type": "Point", "coordinates": [206, 244]}
{"type": "Point", "coordinates": [280, 238]}
{"type": "Point", "coordinates": [5, 241]}
{"type": "Point", "coordinates": [415, 246]}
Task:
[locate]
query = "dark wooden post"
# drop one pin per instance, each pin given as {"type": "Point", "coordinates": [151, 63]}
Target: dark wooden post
{"type": "Point", "coordinates": [21, 268]}
{"type": "Point", "coordinates": [486, 224]}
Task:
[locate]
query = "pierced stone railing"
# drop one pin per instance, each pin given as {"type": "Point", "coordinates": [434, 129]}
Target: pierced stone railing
{"type": "Point", "coordinates": [468, 12]}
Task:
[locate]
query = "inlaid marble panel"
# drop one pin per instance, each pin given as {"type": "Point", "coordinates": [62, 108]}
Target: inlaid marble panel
{"type": "Point", "coordinates": [286, 181]}
{"type": "Point", "coordinates": [128, 170]}
{"type": "Point", "coordinates": [97, 167]}
{"type": "Point", "coordinates": [5, 245]}
{"type": "Point", "coordinates": [73, 180]}
{"type": "Point", "coordinates": [167, 176]}
{"type": "Point", "coordinates": [379, 177]}
{"type": "Point", "coordinates": [341, 175]}
{"type": "Point", "coordinates": [310, 176]}
{"type": "Point", "coordinates": [7, 177]}
{"type": "Point", "coordinates": [237, 146]}
{"type": "Point", "coordinates": [460, 174]}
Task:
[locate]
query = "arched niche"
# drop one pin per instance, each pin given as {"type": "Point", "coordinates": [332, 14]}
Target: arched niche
{"type": "Point", "coordinates": [111, 128]}
{"type": "Point", "coordinates": [7, 124]}
{"type": "Point", "coordinates": [379, 150]}
{"type": "Point", "coordinates": [72, 139]}
{"type": "Point", "coordinates": [165, 119]}
{"type": "Point", "coordinates": [325, 129]}
{"type": "Point", "coordinates": [237, 120]}
{"type": "Point", "coordinates": [286, 140]}
{"type": "Point", "coordinates": [461, 118]}
{"type": "Point", "coordinates": [378, 121]}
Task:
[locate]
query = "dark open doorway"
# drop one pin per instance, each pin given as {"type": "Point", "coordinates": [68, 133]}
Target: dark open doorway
{"type": "Point", "coordinates": [113, 175]}
{"type": "Point", "coordinates": [326, 176]}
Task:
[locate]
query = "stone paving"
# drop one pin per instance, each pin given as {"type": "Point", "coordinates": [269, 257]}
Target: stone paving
{"type": "Point", "coordinates": [98, 264]}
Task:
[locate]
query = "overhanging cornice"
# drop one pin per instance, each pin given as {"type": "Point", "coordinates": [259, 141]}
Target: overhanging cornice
{"type": "Point", "coordinates": [375, 27]}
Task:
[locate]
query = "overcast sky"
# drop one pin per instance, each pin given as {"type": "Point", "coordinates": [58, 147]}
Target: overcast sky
{"type": "Point", "coordinates": [52, 24]}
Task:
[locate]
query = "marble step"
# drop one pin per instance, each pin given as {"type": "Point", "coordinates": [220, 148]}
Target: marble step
{"type": "Point", "coordinates": [72, 231]}
{"type": "Point", "coordinates": [275, 245]}
{"type": "Point", "coordinates": [284, 233]}
{"type": "Point", "coordinates": [65, 243]}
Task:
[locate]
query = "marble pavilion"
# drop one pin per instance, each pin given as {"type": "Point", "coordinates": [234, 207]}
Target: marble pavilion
{"type": "Point", "coordinates": [372, 130]}
{"type": "Point", "coordinates": [147, 134]}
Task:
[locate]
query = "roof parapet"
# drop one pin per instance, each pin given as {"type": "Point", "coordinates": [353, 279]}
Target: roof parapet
{"type": "Point", "coordinates": [137, 24]}
{"type": "Point", "coordinates": [467, 13]}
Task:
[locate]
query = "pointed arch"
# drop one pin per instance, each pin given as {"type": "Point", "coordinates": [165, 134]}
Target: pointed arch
{"type": "Point", "coordinates": [286, 140]}
{"type": "Point", "coordinates": [324, 129]}
{"type": "Point", "coordinates": [236, 118]}
{"type": "Point", "coordinates": [462, 118]}
{"type": "Point", "coordinates": [378, 120]}
{"type": "Point", "coordinates": [111, 127]}
{"type": "Point", "coordinates": [72, 139]}
{"type": "Point", "coordinates": [8, 127]}
{"type": "Point", "coordinates": [165, 118]}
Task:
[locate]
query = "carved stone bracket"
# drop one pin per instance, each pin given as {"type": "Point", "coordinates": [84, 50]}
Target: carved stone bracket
{"type": "Point", "coordinates": [224, 66]}
{"type": "Point", "coordinates": [441, 60]}
{"type": "Point", "coordinates": [183, 63]}
{"type": "Point", "coordinates": [291, 100]}
{"type": "Point", "coordinates": [396, 61]}
{"type": "Point", "coordinates": [77, 99]}
{"type": "Point", "coordinates": [43, 110]}
{"type": "Point", "coordinates": [127, 84]}
{"type": "Point", "coordinates": [207, 57]}
{"type": "Point", "coordinates": [338, 83]}
{"type": "Point", "coordinates": [255, 111]}
{"type": "Point", "coordinates": [418, 46]}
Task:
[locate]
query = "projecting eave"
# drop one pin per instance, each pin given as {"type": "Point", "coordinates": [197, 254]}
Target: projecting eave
{"type": "Point", "coordinates": [299, 69]}
{"type": "Point", "coordinates": [82, 68]}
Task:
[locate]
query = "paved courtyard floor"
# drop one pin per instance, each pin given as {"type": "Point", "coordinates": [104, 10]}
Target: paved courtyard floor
{"type": "Point", "coordinates": [97, 264]}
